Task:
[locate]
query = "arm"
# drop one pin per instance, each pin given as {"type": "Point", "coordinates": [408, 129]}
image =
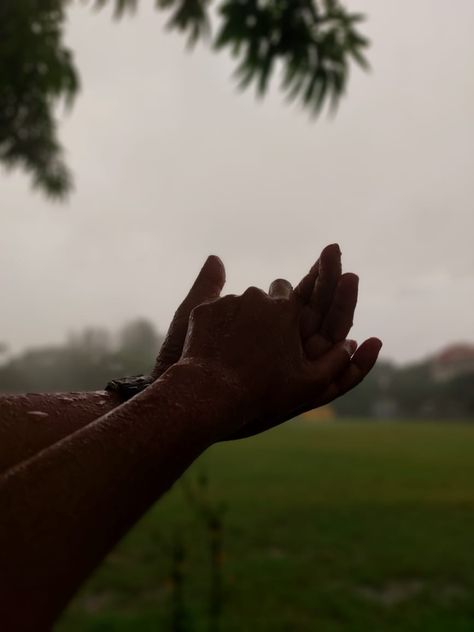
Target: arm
{"type": "Point", "coordinates": [243, 369]}
{"type": "Point", "coordinates": [66, 507]}
{"type": "Point", "coordinates": [30, 423]}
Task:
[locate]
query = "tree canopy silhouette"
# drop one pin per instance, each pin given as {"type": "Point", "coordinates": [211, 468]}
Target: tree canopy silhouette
{"type": "Point", "coordinates": [314, 42]}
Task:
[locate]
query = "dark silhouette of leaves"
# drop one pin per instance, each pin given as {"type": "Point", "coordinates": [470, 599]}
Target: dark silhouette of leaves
{"type": "Point", "coordinates": [312, 41]}
{"type": "Point", "coordinates": [36, 72]}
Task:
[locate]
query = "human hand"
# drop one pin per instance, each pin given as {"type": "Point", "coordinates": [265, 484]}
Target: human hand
{"type": "Point", "coordinates": [316, 291]}
{"type": "Point", "coordinates": [328, 300]}
{"type": "Point", "coordinates": [265, 356]}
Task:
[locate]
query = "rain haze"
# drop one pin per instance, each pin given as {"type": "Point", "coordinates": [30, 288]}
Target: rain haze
{"type": "Point", "coordinates": [171, 164]}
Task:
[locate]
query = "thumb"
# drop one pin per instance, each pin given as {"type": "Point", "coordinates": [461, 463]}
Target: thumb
{"type": "Point", "coordinates": [207, 287]}
{"type": "Point", "coordinates": [208, 284]}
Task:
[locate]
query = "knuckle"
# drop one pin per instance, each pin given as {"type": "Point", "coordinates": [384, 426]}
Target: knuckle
{"type": "Point", "coordinates": [254, 293]}
{"type": "Point", "coordinates": [199, 311]}
{"type": "Point", "coordinates": [228, 299]}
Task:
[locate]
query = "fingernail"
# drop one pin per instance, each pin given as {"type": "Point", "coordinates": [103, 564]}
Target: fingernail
{"type": "Point", "coordinates": [213, 262]}
{"type": "Point", "coordinates": [213, 258]}
{"type": "Point", "coordinates": [350, 346]}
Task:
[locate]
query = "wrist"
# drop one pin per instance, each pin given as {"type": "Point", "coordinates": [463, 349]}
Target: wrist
{"type": "Point", "coordinates": [206, 394]}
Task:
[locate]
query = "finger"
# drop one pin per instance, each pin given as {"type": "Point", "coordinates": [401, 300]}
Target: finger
{"type": "Point", "coordinates": [315, 346]}
{"type": "Point", "coordinates": [309, 321]}
{"type": "Point", "coordinates": [316, 289]}
{"type": "Point", "coordinates": [207, 286]}
{"type": "Point", "coordinates": [305, 287]}
{"type": "Point", "coordinates": [281, 288]}
{"type": "Point", "coordinates": [328, 367]}
{"type": "Point", "coordinates": [326, 282]}
{"type": "Point", "coordinates": [338, 320]}
{"type": "Point", "coordinates": [340, 316]}
{"type": "Point", "coordinates": [359, 367]}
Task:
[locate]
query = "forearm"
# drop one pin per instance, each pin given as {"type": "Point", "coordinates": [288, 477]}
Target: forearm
{"type": "Point", "coordinates": [32, 422]}
{"type": "Point", "coordinates": [65, 508]}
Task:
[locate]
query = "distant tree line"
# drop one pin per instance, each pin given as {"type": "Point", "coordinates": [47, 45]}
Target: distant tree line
{"type": "Point", "coordinates": [85, 361]}
{"type": "Point", "coordinates": [410, 391]}
{"type": "Point", "coordinates": [89, 359]}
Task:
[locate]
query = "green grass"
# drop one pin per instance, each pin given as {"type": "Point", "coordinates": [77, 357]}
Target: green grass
{"type": "Point", "coordinates": [354, 527]}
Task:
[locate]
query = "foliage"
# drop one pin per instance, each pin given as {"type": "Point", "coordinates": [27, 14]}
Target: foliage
{"type": "Point", "coordinates": [86, 361]}
{"type": "Point", "coordinates": [36, 72]}
{"type": "Point", "coordinates": [313, 41]}
{"type": "Point", "coordinates": [409, 391]}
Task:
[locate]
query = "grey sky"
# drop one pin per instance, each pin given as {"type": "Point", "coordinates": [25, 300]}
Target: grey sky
{"type": "Point", "coordinates": [172, 164]}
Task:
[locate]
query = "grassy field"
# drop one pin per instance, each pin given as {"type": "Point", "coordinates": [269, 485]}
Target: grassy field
{"type": "Point", "coordinates": [354, 527]}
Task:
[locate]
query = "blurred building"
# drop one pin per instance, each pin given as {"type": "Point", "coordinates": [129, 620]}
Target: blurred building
{"type": "Point", "coordinates": [452, 362]}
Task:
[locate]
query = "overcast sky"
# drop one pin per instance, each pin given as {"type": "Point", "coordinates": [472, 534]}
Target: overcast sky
{"type": "Point", "coordinates": [171, 164]}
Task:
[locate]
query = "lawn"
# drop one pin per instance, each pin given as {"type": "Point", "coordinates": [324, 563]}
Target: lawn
{"type": "Point", "coordinates": [328, 527]}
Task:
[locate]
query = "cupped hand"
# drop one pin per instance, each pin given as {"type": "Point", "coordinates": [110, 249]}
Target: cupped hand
{"type": "Point", "coordinates": [282, 353]}
{"type": "Point", "coordinates": [316, 291]}
{"type": "Point", "coordinates": [328, 300]}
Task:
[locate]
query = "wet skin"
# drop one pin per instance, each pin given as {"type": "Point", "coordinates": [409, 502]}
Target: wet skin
{"type": "Point", "coordinates": [230, 367]}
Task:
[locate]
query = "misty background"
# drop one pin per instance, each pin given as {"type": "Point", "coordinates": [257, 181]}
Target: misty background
{"type": "Point", "coordinates": [172, 163]}
{"type": "Point", "coordinates": [347, 526]}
